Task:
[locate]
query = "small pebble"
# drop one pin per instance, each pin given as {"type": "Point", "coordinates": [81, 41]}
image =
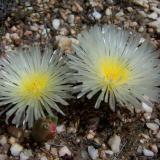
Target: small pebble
{"type": "Point", "coordinates": [147, 116]}
{"type": "Point", "coordinates": [54, 152]}
{"type": "Point", "coordinates": [114, 143]}
{"type": "Point", "coordinates": [108, 12]}
{"type": "Point", "coordinates": [154, 148]}
{"type": "Point", "coordinates": [64, 151]}
{"type": "Point", "coordinates": [154, 24]}
{"type": "Point", "coordinates": [78, 140]}
{"type": "Point", "coordinates": [13, 29]}
{"type": "Point", "coordinates": [3, 140]}
{"type": "Point", "coordinates": [15, 36]}
{"type": "Point", "coordinates": [8, 37]}
{"type": "Point", "coordinates": [139, 149]}
{"type": "Point", "coordinates": [150, 30]}
{"type": "Point", "coordinates": [96, 15]}
{"type": "Point", "coordinates": [44, 158]}
{"type": "Point", "coordinates": [152, 126]}
{"type": "Point", "coordinates": [105, 154]}
{"type": "Point", "coordinates": [16, 149]}
{"type": "Point", "coordinates": [145, 136]}
{"type": "Point", "coordinates": [84, 155]}
{"type": "Point", "coordinates": [109, 152]}
{"type": "Point", "coordinates": [157, 121]}
{"type": "Point", "coordinates": [110, 1]}
{"type": "Point", "coordinates": [65, 43]}
{"type": "Point", "coordinates": [141, 3]}
{"type": "Point", "coordinates": [148, 152]}
{"type": "Point", "coordinates": [47, 146]}
{"type": "Point", "coordinates": [28, 33]}
{"type": "Point", "coordinates": [147, 108]}
{"type": "Point", "coordinates": [25, 155]}
{"type": "Point", "coordinates": [71, 130]}
{"type": "Point", "coordinates": [71, 19]}
{"type": "Point", "coordinates": [153, 16]}
{"type": "Point", "coordinates": [142, 14]}
{"type": "Point", "coordinates": [63, 31]}
{"type": "Point", "coordinates": [34, 28]}
{"type": "Point", "coordinates": [56, 23]}
{"type": "Point", "coordinates": [61, 128]}
{"type": "Point", "coordinates": [93, 153]}
{"type": "Point", "coordinates": [12, 140]}
{"type": "Point", "coordinates": [129, 9]}
{"type": "Point", "coordinates": [3, 157]}
{"type": "Point", "coordinates": [90, 136]}
{"type": "Point", "coordinates": [120, 14]}
{"type": "Point", "coordinates": [157, 10]}
{"type": "Point", "coordinates": [133, 24]}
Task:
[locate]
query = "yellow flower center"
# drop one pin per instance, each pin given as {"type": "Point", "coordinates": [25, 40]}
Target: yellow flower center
{"type": "Point", "coordinates": [34, 85]}
{"type": "Point", "coordinates": [114, 72]}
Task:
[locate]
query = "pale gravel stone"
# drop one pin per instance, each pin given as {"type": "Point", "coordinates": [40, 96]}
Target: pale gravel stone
{"type": "Point", "coordinates": [154, 148]}
{"type": "Point", "coordinates": [114, 142]}
{"type": "Point", "coordinates": [25, 155]}
{"type": "Point", "coordinates": [110, 1]}
{"type": "Point", "coordinates": [105, 154]}
{"type": "Point", "coordinates": [3, 157]}
{"type": "Point", "coordinates": [3, 140]}
{"type": "Point", "coordinates": [96, 15]}
{"type": "Point", "coordinates": [34, 27]}
{"type": "Point", "coordinates": [141, 29]}
{"type": "Point", "coordinates": [147, 108]}
{"type": "Point", "coordinates": [108, 12]}
{"type": "Point", "coordinates": [145, 136]}
{"type": "Point", "coordinates": [148, 152]}
{"type": "Point", "coordinates": [91, 134]}
{"type": "Point", "coordinates": [16, 149]}
{"type": "Point", "coordinates": [56, 23]}
{"type": "Point", "coordinates": [142, 14]}
{"type": "Point", "coordinates": [120, 13]}
{"type": "Point", "coordinates": [71, 130]}
{"type": "Point", "coordinates": [93, 153]}
{"type": "Point", "coordinates": [61, 128]}
{"type": "Point", "coordinates": [44, 158]}
{"type": "Point", "coordinates": [139, 149]}
{"type": "Point", "coordinates": [130, 9]}
{"type": "Point", "coordinates": [12, 140]}
{"type": "Point", "coordinates": [153, 16]}
{"type": "Point", "coordinates": [109, 152]}
{"type": "Point", "coordinates": [142, 3]}
{"type": "Point", "coordinates": [157, 121]}
{"type": "Point", "coordinates": [54, 151]}
{"type": "Point", "coordinates": [64, 151]}
{"type": "Point", "coordinates": [47, 146]}
{"type": "Point", "coordinates": [71, 19]}
{"type": "Point", "coordinates": [84, 155]}
{"type": "Point", "coordinates": [155, 9]}
{"type": "Point", "coordinates": [152, 126]}
{"type": "Point", "coordinates": [147, 115]}
{"type": "Point", "coordinates": [155, 24]}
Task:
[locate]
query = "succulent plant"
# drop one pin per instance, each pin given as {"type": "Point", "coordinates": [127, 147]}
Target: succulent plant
{"type": "Point", "coordinates": [44, 129]}
{"type": "Point", "coordinates": [32, 83]}
{"type": "Point", "coordinates": [116, 65]}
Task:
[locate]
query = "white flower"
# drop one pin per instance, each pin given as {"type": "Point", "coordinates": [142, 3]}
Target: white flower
{"type": "Point", "coordinates": [116, 65]}
{"type": "Point", "coordinates": [32, 83]}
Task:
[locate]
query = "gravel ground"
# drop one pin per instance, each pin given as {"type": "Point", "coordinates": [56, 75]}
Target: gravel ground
{"type": "Point", "coordinates": [86, 133]}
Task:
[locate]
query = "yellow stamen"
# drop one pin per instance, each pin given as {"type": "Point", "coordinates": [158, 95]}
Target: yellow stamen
{"type": "Point", "coordinates": [114, 72]}
{"type": "Point", "coordinates": [34, 85]}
